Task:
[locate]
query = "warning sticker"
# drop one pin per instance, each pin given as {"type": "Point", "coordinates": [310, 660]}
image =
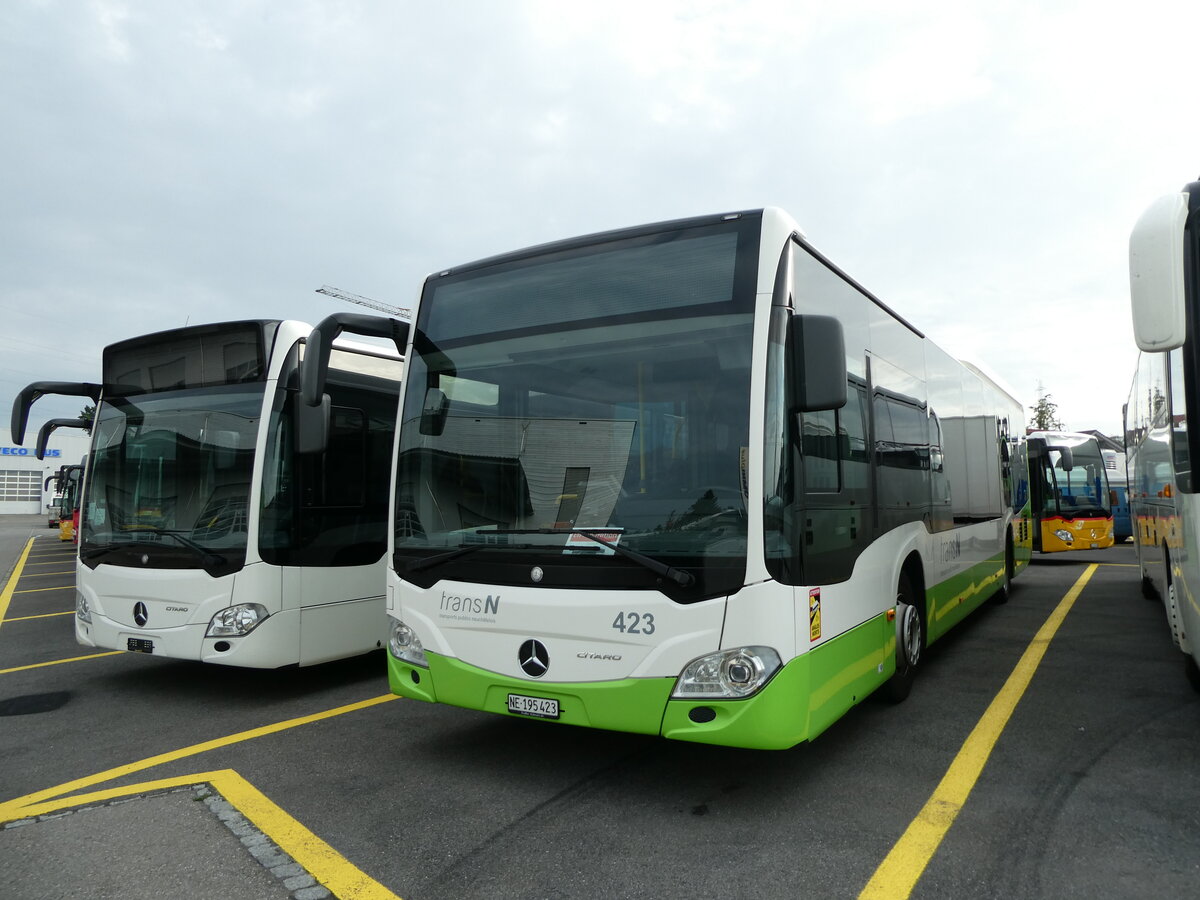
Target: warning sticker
{"type": "Point", "coordinates": [814, 614]}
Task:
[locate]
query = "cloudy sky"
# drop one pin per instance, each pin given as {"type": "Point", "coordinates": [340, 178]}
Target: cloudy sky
{"type": "Point", "coordinates": [976, 165]}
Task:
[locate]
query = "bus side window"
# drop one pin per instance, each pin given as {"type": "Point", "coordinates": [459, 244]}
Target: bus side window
{"type": "Point", "coordinates": [837, 520]}
{"type": "Point", "coordinates": [856, 460]}
{"type": "Point", "coordinates": [336, 478]}
{"type": "Point", "coordinates": [819, 441]}
{"type": "Point", "coordinates": [1179, 432]}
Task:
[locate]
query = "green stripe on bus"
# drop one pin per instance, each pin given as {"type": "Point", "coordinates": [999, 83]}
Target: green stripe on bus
{"type": "Point", "coordinates": [784, 713]}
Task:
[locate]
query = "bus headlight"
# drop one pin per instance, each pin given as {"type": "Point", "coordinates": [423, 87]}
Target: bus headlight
{"type": "Point", "coordinates": [1065, 536]}
{"type": "Point", "coordinates": [83, 612]}
{"type": "Point", "coordinates": [237, 621]}
{"type": "Point", "coordinates": [730, 674]}
{"type": "Point", "coordinates": [405, 645]}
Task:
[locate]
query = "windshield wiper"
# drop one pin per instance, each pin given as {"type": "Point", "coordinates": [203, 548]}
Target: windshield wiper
{"type": "Point", "coordinates": [682, 577]}
{"type": "Point", "coordinates": [93, 552]}
{"type": "Point", "coordinates": [462, 550]}
{"type": "Point", "coordinates": [210, 556]}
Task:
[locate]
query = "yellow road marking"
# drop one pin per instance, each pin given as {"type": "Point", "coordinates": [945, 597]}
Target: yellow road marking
{"type": "Point", "coordinates": [61, 587]}
{"type": "Point", "coordinates": [897, 875]}
{"type": "Point", "coordinates": [69, 612]}
{"type": "Point", "coordinates": [6, 594]}
{"type": "Point", "coordinates": [319, 859]}
{"type": "Point", "coordinates": [47, 574]}
{"type": "Point", "coordinates": [8, 808]}
{"type": "Point", "coordinates": [58, 662]}
{"type": "Point", "coordinates": [343, 879]}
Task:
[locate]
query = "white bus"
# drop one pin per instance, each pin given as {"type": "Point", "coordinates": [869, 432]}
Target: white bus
{"type": "Point", "coordinates": [687, 479]}
{"type": "Point", "coordinates": [1164, 281]}
{"type": "Point", "coordinates": [206, 533]}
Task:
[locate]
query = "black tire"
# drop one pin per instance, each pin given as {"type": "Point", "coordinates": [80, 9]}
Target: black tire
{"type": "Point", "coordinates": [910, 642]}
{"type": "Point", "coordinates": [1192, 671]}
{"type": "Point", "coordinates": [1010, 566]}
{"type": "Point", "coordinates": [1148, 590]}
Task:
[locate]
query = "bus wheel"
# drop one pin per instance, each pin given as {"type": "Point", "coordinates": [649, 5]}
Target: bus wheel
{"type": "Point", "coordinates": [910, 641]}
{"type": "Point", "coordinates": [1148, 589]}
{"type": "Point", "coordinates": [1192, 671]}
{"type": "Point", "coordinates": [1005, 591]}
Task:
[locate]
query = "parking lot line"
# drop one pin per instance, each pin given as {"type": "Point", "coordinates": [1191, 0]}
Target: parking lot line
{"type": "Point", "coordinates": [41, 616]}
{"type": "Point", "coordinates": [11, 585]}
{"type": "Point", "coordinates": [13, 809]}
{"type": "Point", "coordinates": [59, 662]}
{"type": "Point", "coordinates": [897, 875]}
{"type": "Point", "coordinates": [343, 879]}
{"type": "Point", "coordinates": [61, 587]}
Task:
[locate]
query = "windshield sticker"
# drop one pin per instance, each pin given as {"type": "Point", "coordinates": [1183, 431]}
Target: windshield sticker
{"type": "Point", "coordinates": [592, 543]}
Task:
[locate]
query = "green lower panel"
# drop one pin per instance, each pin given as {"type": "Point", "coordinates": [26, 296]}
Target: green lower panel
{"type": "Point", "coordinates": [632, 704]}
{"type": "Point", "coordinates": [802, 700]}
{"type": "Point", "coordinates": [951, 601]}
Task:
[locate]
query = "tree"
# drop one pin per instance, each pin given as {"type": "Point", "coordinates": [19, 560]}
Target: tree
{"type": "Point", "coordinates": [1045, 413]}
{"type": "Point", "coordinates": [88, 414]}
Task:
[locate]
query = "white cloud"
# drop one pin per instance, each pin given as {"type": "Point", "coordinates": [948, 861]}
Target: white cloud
{"type": "Point", "coordinates": [112, 17]}
{"type": "Point", "coordinates": [976, 166]}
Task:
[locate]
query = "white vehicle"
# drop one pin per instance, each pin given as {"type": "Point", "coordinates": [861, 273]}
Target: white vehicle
{"type": "Point", "coordinates": [687, 479]}
{"type": "Point", "coordinates": [207, 531]}
{"type": "Point", "coordinates": [1164, 268]}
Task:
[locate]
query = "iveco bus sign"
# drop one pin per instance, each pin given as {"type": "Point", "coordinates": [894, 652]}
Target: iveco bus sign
{"type": "Point", "coordinates": [26, 451]}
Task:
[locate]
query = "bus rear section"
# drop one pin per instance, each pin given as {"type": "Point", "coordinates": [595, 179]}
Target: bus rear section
{"type": "Point", "coordinates": [646, 482]}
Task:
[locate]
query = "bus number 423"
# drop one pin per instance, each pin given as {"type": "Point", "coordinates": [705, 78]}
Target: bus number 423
{"type": "Point", "coordinates": [634, 623]}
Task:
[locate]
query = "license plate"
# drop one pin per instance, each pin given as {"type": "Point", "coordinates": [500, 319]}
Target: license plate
{"type": "Point", "coordinates": [541, 707]}
{"type": "Point", "coordinates": [140, 645]}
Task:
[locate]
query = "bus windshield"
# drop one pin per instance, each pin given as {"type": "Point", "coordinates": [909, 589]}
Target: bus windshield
{"type": "Point", "coordinates": [170, 473]}
{"type": "Point", "coordinates": [1078, 486]}
{"type": "Point", "coordinates": [603, 389]}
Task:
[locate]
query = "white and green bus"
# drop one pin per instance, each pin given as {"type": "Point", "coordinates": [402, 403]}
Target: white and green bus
{"type": "Point", "coordinates": [1164, 280]}
{"type": "Point", "coordinates": [687, 479]}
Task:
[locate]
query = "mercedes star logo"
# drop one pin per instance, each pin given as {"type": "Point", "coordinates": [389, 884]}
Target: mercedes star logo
{"type": "Point", "coordinates": [140, 616]}
{"type": "Point", "coordinates": [534, 659]}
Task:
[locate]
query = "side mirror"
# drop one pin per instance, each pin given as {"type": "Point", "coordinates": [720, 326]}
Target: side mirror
{"type": "Point", "coordinates": [1067, 458]}
{"type": "Point", "coordinates": [312, 412]}
{"type": "Point", "coordinates": [817, 363]}
{"type": "Point", "coordinates": [48, 429]}
{"type": "Point", "coordinates": [434, 412]}
{"type": "Point", "coordinates": [311, 424]}
{"type": "Point", "coordinates": [320, 344]}
{"type": "Point", "coordinates": [1156, 285]}
{"type": "Point", "coordinates": [25, 399]}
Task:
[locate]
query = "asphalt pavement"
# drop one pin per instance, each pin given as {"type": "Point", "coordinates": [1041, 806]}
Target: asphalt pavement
{"type": "Point", "coordinates": [143, 847]}
{"type": "Point", "coordinates": [1090, 789]}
